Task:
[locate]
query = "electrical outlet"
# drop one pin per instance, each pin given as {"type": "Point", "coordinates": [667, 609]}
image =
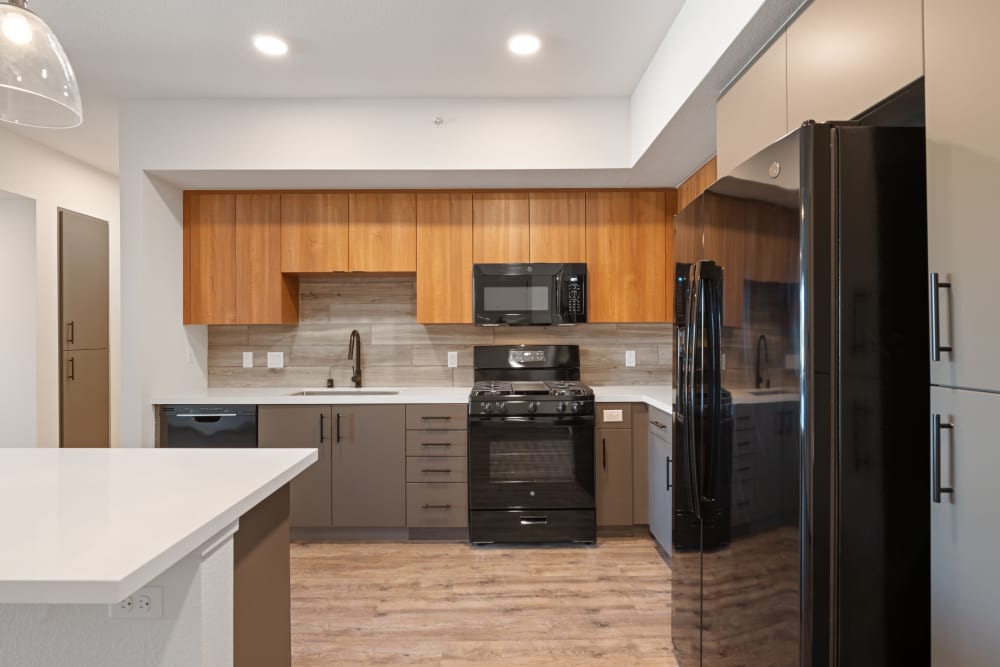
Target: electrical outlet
{"type": "Point", "coordinates": [723, 362]}
{"type": "Point", "coordinates": [248, 360]}
{"type": "Point", "coordinates": [275, 359]}
{"type": "Point", "coordinates": [145, 603]}
{"type": "Point", "coordinates": [629, 358]}
{"type": "Point", "coordinates": [453, 360]}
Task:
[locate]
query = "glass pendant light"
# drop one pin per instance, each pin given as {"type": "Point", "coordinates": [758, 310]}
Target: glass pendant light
{"type": "Point", "coordinates": [37, 84]}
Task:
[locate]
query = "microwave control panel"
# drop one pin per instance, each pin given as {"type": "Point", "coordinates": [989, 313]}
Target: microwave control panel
{"type": "Point", "coordinates": [575, 292]}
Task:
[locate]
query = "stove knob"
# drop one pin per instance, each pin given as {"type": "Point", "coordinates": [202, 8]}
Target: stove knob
{"type": "Point", "coordinates": [487, 408]}
{"type": "Point", "coordinates": [561, 407]}
{"type": "Point", "coordinates": [575, 407]}
{"type": "Point", "coordinates": [533, 406]}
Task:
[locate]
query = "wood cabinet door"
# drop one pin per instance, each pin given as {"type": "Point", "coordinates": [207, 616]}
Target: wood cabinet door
{"type": "Point", "coordinates": [302, 426]}
{"type": "Point", "coordinates": [963, 170]}
{"type": "Point", "coordinates": [724, 233]}
{"type": "Point", "coordinates": [444, 258]}
{"type": "Point", "coordinates": [383, 231]}
{"type": "Point", "coordinates": [209, 258]}
{"type": "Point", "coordinates": [613, 476]}
{"type": "Point", "coordinates": [500, 231]}
{"type": "Point", "coordinates": [771, 243]}
{"type": "Point", "coordinates": [263, 295]}
{"type": "Point", "coordinates": [557, 227]}
{"type": "Point", "coordinates": [626, 256]}
{"type": "Point", "coordinates": [314, 232]}
{"type": "Point", "coordinates": [369, 466]}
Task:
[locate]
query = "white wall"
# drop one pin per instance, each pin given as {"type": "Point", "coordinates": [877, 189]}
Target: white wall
{"type": "Point", "coordinates": [18, 399]}
{"type": "Point", "coordinates": [54, 180]}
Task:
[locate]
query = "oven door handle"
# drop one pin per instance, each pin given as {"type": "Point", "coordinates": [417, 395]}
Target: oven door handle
{"type": "Point", "coordinates": [538, 421]}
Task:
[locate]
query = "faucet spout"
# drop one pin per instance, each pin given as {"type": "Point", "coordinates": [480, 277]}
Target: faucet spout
{"type": "Point", "coordinates": [354, 352]}
{"type": "Point", "coordinates": [760, 378]}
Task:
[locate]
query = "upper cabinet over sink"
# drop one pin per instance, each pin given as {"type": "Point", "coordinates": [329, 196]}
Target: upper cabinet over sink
{"type": "Point", "coordinates": [314, 232]}
{"type": "Point", "coordinates": [383, 231]}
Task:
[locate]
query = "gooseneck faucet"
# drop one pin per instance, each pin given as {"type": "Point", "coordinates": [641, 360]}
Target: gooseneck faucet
{"type": "Point", "coordinates": [760, 379]}
{"type": "Point", "coordinates": [354, 352]}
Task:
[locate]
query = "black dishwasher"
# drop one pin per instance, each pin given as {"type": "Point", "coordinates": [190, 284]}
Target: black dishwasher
{"type": "Point", "coordinates": [208, 426]}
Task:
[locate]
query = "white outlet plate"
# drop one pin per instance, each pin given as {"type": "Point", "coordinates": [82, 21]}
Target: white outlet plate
{"type": "Point", "coordinates": [453, 360]}
{"type": "Point", "coordinates": [146, 603]}
{"type": "Point", "coordinates": [629, 358]}
{"type": "Point", "coordinates": [248, 360]}
{"type": "Point", "coordinates": [275, 359]}
{"type": "Point", "coordinates": [613, 416]}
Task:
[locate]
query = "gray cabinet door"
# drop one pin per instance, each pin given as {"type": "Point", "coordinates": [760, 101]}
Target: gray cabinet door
{"type": "Point", "coordinates": [369, 466]}
{"type": "Point", "coordinates": [613, 476]}
{"type": "Point", "coordinates": [84, 398]}
{"type": "Point", "coordinates": [83, 266]}
{"type": "Point", "coordinates": [963, 170]}
{"type": "Point", "coordinates": [304, 426]}
{"type": "Point", "coordinates": [965, 533]}
{"type": "Point", "coordinates": [660, 483]}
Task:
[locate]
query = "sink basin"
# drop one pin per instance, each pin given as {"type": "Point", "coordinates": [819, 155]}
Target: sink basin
{"type": "Point", "coordinates": [345, 392]}
{"type": "Point", "coordinates": [768, 392]}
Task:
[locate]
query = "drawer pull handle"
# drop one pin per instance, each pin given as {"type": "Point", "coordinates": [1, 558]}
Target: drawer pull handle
{"type": "Point", "coordinates": [437, 507]}
{"type": "Point", "coordinates": [534, 520]}
{"type": "Point", "coordinates": [444, 418]}
{"type": "Point", "coordinates": [441, 470]}
{"type": "Point", "coordinates": [742, 443]}
{"type": "Point", "coordinates": [743, 469]}
{"type": "Point", "coordinates": [435, 444]}
{"type": "Point", "coordinates": [657, 424]}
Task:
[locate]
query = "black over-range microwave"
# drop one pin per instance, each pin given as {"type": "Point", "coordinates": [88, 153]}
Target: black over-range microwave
{"type": "Point", "coordinates": [526, 294]}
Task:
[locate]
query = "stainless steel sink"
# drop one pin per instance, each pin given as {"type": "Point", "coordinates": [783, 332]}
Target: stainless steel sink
{"type": "Point", "coordinates": [345, 392]}
{"type": "Point", "coordinates": [768, 392]}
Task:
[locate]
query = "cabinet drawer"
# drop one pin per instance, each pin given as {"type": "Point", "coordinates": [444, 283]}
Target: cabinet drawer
{"type": "Point", "coordinates": [603, 410]}
{"type": "Point", "coordinates": [431, 505]}
{"type": "Point", "coordinates": [437, 469]}
{"type": "Point", "coordinates": [437, 416]}
{"type": "Point", "coordinates": [436, 443]}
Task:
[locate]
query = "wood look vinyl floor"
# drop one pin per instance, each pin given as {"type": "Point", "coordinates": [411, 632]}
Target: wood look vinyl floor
{"type": "Point", "coordinates": [449, 604]}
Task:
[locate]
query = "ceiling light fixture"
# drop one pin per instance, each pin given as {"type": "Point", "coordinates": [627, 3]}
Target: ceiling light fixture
{"type": "Point", "coordinates": [524, 44]}
{"type": "Point", "coordinates": [270, 45]}
{"type": "Point", "coordinates": [37, 84]}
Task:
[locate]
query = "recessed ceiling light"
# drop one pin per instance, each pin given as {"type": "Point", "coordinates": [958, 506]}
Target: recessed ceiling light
{"type": "Point", "coordinates": [524, 44]}
{"type": "Point", "coordinates": [270, 45]}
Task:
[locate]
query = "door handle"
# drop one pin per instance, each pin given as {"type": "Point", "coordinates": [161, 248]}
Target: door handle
{"type": "Point", "coordinates": [604, 452]}
{"type": "Point", "coordinates": [321, 424]}
{"type": "Point", "coordinates": [936, 347]}
{"type": "Point", "coordinates": [669, 485]}
{"type": "Point", "coordinates": [936, 426]}
{"type": "Point", "coordinates": [338, 427]}
{"type": "Point", "coordinates": [70, 332]}
{"type": "Point", "coordinates": [71, 369]}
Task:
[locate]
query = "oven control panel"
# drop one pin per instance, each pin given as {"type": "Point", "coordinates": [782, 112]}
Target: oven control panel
{"type": "Point", "coordinates": [526, 357]}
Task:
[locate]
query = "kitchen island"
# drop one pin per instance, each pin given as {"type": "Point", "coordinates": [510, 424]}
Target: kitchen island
{"type": "Point", "coordinates": [84, 530]}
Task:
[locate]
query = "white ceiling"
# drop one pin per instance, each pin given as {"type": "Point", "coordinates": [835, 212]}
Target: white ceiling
{"type": "Point", "coordinates": [182, 49]}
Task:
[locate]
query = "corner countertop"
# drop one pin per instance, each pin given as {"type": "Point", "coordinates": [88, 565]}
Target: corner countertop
{"type": "Point", "coordinates": [95, 525]}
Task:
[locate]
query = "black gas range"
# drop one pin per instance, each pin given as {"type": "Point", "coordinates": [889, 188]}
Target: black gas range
{"type": "Point", "coordinates": [531, 446]}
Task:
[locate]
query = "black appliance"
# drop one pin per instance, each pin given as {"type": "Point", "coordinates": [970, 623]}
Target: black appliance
{"type": "Point", "coordinates": [208, 426]}
{"type": "Point", "coordinates": [820, 554]}
{"type": "Point", "coordinates": [529, 294]}
{"type": "Point", "coordinates": [531, 446]}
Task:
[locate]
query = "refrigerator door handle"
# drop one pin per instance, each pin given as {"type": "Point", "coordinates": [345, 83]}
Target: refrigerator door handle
{"type": "Point", "coordinates": [936, 347]}
{"type": "Point", "coordinates": [936, 489]}
{"type": "Point", "coordinates": [691, 422]}
{"type": "Point", "coordinates": [712, 459]}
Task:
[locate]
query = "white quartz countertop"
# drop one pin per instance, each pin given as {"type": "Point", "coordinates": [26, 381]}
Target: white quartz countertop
{"type": "Point", "coordinates": [95, 525]}
{"type": "Point", "coordinates": [659, 396]}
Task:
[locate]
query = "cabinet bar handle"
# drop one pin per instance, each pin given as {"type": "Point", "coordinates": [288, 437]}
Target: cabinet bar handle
{"type": "Point", "coordinates": [437, 507]}
{"type": "Point", "coordinates": [71, 368]}
{"type": "Point", "coordinates": [435, 444]}
{"type": "Point", "coordinates": [534, 520]}
{"type": "Point", "coordinates": [71, 332]}
{"type": "Point", "coordinates": [937, 489]}
{"type": "Point", "coordinates": [441, 470]}
{"type": "Point", "coordinates": [321, 429]}
{"type": "Point", "coordinates": [604, 453]}
{"type": "Point", "coordinates": [657, 424]}
{"type": "Point", "coordinates": [338, 427]}
{"type": "Point", "coordinates": [743, 469]}
{"type": "Point", "coordinates": [936, 347]}
{"type": "Point", "coordinates": [445, 418]}
{"type": "Point", "coordinates": [669, 485]}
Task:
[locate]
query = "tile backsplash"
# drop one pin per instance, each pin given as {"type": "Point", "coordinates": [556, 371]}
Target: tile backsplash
{"type": "Point", "coordinates": [396, 351]}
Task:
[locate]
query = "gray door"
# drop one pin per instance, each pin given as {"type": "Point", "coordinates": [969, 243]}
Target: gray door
{"type": "Point", "coordinates": [85, 398]}
{"type": "Point", "coordinates": [369, 466]}
{"type": "Point", "coordinates": [302, 426]}
{"type": "Point", "coordinates": [83, 279]}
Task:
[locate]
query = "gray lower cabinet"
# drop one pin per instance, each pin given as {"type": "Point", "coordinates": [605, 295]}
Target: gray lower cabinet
{"type": "Point", "coordinates": [660, 476]}
{"type": "Point", "coordinates": [85, 398]}
{"type": "Point", "coordinates": [437, 505]}
{"type": "Point", "coordinates": [369, 466]}
{"type": "Point", "coordinates": [437, 466]}
{"type": "Point", "coordinates": [613, 464]}
{"type": "Point", "coordinates": [302, 426]}
{"type": "Point", "coordinates": [765, 438]}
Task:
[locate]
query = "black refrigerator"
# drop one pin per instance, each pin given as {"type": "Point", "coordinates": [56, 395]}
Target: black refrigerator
{"type": "Point", "coordinates": [801, 531]}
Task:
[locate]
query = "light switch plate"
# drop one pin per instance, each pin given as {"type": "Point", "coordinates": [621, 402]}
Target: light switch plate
{"type": "Point", "coordinates": [629, 358]}
{"type": "Point", "coordinates": [613, 416]}
{"type": "Point", "coordinates": [275, 359]}
{"type": "Point", "coordinates": [248, 360]}
{"type": "Point", "coordinates": [453, 360]}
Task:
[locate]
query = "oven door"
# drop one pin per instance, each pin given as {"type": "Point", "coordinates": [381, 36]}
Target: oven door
{"type": "Point", "coordinates": [516, 294]}
{"type": "Point", "coordinates": [531, 463]}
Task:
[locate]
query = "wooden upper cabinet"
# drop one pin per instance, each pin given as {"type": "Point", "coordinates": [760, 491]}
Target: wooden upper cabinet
{"type": "Point", "coordinates": [557, 230]}
{"type": "Point", "coordinates": [314, 232]}
{"type": "Point", "coordinates": [725, 241]}
{"type": "Point", "coordinates": [626, 255]}
{"type": "Point", "coordinates": [383, 231]}
{"type": "Point", "coordinates": [444, 258]}
{"type": "Point", "coordinates": [209, 258]}
{"type": "Point", "coordinates": [500, 227]}
{"type": "Point", "coordinates": [232, 263]}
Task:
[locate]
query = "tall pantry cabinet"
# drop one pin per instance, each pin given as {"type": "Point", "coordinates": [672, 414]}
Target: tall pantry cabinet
{"type": "Point", "coordinates": [963, 174]}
